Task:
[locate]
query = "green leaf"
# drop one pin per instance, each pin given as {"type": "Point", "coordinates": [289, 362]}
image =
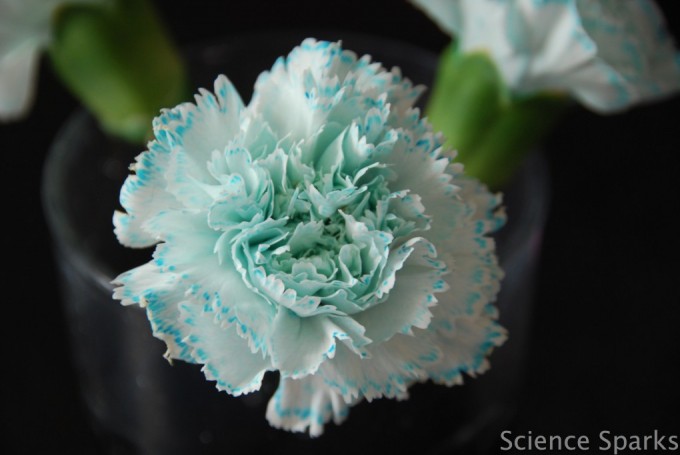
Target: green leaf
{"type": "Point", "coordinates": [119, 62]}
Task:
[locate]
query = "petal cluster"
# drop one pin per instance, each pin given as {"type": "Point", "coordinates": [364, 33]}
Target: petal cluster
{"type": "Point", "coordinates": [608, 54]}
{"type": "Point", "coordinates": [318, 232]}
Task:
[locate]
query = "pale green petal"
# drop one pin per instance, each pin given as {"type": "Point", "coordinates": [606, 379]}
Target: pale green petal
{"type": "Point", "coordinates": [300, 345]}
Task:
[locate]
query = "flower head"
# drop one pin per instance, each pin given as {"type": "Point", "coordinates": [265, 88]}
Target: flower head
{"type": "Point", "coordinates": [25, 30]}
{"type": "Point", "coordinates": [318, 232]}
{"type": "Point", "coordinates": [608, 54]}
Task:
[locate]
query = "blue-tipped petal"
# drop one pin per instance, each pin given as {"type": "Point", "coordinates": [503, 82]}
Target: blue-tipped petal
{"type": "Point", "coordinates": [389, 369]}
{"type": "Point", "coordinates": [160, 294]}
{"type": "Point", "coordinates": [465, 347]}
{"type": "Point", "coordinates": [144, 196]}
{"type": "Point", "coordinates": [305, 404]}
{"type": "Point", "coordinates": [225, 356]}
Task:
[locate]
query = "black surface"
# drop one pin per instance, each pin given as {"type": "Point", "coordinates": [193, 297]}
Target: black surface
{"type": "Point", "coordinates": [606, 342]}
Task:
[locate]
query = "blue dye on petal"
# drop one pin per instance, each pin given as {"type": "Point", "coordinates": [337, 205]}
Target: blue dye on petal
{"type": "Point", "coordinates": [608, 55]}
{"type": "Point", "coordinates": [309, 230]}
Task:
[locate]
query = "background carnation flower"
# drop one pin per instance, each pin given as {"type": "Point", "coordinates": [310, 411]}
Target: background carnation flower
{"type": "Point", "coordinates": [608, 54]}
{"type": "Point", "coordinates": [318, 232]}
{"type": "Point", "coordinates": [25, 30]}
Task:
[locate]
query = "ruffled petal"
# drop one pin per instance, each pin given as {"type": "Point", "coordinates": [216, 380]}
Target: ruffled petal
{"type": "Point", "coordinates": [192, 134]}
{"type": "Point", "coordinates": [300, 345]}
{"type": "Point", "coordinates": [225, 356]}
{"type": "Point", "coordinates": [305, 404]}
{"type": "Point", "coordinates": [416, 276]}
{"type": "Point", "coordinates": [636, 56]}
{"type": "Point", "coordinates": [143, 197]}
{"type": "Point", "coordinates": [474, 274]}
{"type": "Point", "coordinates": [388, 371]}
{"type": "Point", "coordinates": [608, 55]}
{"type": "Point", "coordinates": [465, 347]}
{"type": "Point", "coordinates": [189, 253]}
{"type": "Point", "coordinates": [160, 294]}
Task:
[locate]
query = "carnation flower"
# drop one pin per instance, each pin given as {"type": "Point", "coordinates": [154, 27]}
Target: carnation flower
{"type": "Point", "coordinates": [319, 232]}
{"type": "Point", "coordinates": [608, 54]}
{"type": "Point", "coordinates": [25, 30]}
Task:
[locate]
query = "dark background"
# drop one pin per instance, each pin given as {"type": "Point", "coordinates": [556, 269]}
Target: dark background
{"type": "Point", "coordinates": [606, 330]}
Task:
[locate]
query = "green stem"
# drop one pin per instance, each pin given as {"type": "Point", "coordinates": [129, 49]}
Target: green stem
{"type": "Point", "coordinates": [491, 129]}
{"type": "Point", "coordinates": [467, 94]}
{"type": "Point", "coordinates": [118, 60]}
{"type": "Point", "coordinates": [515, 132]}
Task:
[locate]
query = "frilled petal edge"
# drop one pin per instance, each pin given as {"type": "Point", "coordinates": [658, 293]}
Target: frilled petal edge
{"type": "Point", "coordinates": [305, 404]}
